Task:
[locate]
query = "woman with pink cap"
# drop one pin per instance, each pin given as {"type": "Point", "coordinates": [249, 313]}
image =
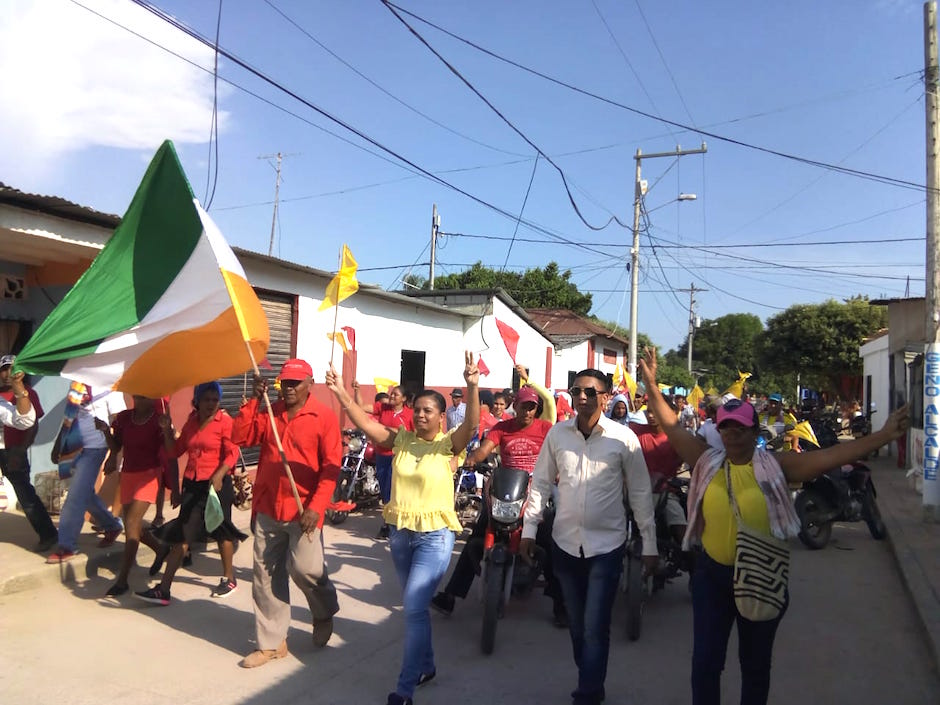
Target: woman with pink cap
{"type": "Point", "coordinates": [760, 492]}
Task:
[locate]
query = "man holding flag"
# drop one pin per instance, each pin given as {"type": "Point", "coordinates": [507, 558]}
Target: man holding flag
{"type": "Point", "coordinates": [288, 542]}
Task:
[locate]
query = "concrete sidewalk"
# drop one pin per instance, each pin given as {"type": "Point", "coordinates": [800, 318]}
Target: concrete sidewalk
{"type": "Point", "coordinates": [915, 544]}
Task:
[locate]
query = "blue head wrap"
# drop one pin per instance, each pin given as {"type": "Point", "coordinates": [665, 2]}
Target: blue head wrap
{"type": "Point", "coordinates": [201, 389]}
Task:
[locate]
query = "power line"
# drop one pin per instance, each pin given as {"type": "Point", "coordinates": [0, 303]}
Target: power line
{"type": "Point", "coordinates": [613, 219]}
{"type": "Point", "coordinates": [609, 101]}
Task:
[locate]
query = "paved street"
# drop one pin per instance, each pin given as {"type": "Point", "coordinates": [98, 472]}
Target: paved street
{"type": "Point", "coordinates": [850, 637]}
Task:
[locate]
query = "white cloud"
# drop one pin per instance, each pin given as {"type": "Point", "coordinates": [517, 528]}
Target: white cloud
{"type": "Point", "coordinates": [70, 80]}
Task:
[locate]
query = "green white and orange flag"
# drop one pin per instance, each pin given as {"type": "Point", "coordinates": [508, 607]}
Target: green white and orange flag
{"type": "Point", "coordinates": [164, 305]}
{"type": "Point", "coordinates": [344, 284]}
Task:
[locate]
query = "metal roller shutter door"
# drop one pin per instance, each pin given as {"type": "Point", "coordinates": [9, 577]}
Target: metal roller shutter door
{"type": "Point", "coordinates": [280, 313]}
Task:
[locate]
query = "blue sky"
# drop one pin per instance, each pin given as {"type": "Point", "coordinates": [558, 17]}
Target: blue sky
{"type": "Point", "coordinates": [835, 82]}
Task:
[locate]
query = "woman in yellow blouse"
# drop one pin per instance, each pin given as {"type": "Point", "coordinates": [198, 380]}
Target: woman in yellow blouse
{"type": "Point", "coordinates": [759, 483]}
{"type": "Point", "coordinates": [421, 510]}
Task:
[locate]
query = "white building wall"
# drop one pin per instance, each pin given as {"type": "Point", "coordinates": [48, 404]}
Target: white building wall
{"type": "Point", "coordinates": [568, 359]}
{"type": "Point", "coordinates": [874, 356]}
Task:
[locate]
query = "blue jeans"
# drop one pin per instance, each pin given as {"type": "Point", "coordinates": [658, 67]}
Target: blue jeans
{"type": "Point", "coordinates": [82, 498]}
{"type": "Point", "coordinates": [421, 559]}
{"type": "Point", "coordinates": [589, 586]}
{"type": "Point", "coordinates": [383, 473]}
{"type": "Point", "coordinates": [714, 613]}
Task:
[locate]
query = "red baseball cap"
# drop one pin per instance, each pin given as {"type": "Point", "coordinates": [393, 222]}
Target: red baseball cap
{"type": "Point", "coordinates": [527, 394]}
{"type": "Point", "coordinates": [297, 370]}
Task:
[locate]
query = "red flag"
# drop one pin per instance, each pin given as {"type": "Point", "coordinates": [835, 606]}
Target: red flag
{"type": "Point", "coordinates": [484, 370]}
{"type": "Point", "coordinates": [350, 336]}
{"type": "Point", "coordinates": [510, 338]}
{"type": "Point", "coordinates": [265, 365]}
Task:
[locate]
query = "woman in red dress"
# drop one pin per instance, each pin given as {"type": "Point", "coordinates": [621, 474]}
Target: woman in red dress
{"type": "Point", "coordinates": [206, 438]}
{"type": "Point", "coordinates": [137, 431]}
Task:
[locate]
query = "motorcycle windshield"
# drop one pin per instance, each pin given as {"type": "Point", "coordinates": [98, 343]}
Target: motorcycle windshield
{"type": "Point", "coordinates": [509, 484]}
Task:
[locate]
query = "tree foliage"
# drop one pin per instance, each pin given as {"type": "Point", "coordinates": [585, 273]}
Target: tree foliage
{"type": "Point", "coordinates": [722, 347]}
{"type": "Point", "coordinates": [548, 287]}
{"type": "Point", "coordinates": [820, 341]}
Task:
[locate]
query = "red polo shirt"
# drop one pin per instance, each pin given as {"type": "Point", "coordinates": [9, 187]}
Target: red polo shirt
{"type": "Point", "coordinates": [206, 447]}
{"type": "Point", "coordinates": [312, 445]}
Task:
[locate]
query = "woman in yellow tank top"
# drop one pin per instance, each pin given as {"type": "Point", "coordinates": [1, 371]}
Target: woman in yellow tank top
{"type": "Point", "coordinates": [759, 484]}
{"type": "Point", "coordinates": [420, 512]}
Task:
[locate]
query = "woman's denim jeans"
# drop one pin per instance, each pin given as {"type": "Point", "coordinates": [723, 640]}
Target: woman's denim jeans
{"type": "Point", "coordinates": [82, 497]}
{"type": "Point", "coordinates": [421, 559]}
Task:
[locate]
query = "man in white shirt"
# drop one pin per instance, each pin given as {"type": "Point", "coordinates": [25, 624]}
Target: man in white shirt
{"type": "Point", "coordinates": [596, 462]}
{"type": "Point", "coordinates": [455, 414]}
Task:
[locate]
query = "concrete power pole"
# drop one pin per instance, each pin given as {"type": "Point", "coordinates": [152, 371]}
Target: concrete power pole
{"type": "Point", "coordinates": [691, 290]}
{"type": "Point", "coordinates": [638, 194]}
{"type": "Point", "coordinates": [932, 330]}
{"type": "Point", "coordinates": [435, 229]}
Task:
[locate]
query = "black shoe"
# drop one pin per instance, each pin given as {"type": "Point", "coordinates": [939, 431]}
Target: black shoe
{"type": "Point", "coordinates": [116, 590]}
{"type": "Point", "coordinates": [396, 699]}
{"type": "Point", "coordinates": [160, 558]}
{"type": "Point", "coordinates": [426, 677]}
{"type": "Point", "coordinates": [443, 603]}
{"type": "Point", "coordinates": [188, 559]}
{"type": "Point", "coordinates": [46, 543]}
{"type": "Point", "coordinates": [383, 532]}
{"type": "Point", "coordinates": [560, 617]}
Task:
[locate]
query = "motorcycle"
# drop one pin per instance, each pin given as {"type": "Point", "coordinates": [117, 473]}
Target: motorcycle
{"type": "Point", "coordinates": [467, 503]}
{"type": "Point", "coordinates": [843, 494]}
{"type": "Point", "coordinates": [358, 485]}
{"type": "Point", "coordinates": [502, 571]}
{"type": "Point", "coordinates": [673, 562]}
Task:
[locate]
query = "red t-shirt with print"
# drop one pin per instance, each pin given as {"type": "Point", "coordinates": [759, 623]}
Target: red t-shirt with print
{"type": "Point", "coordinates": [387, 416]}
{"type": "Point", "coordinates": [519, 447]}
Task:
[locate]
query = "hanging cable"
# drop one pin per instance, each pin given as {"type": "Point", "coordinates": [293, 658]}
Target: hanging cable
{"type": "Point", "coordinates": [214, 123]}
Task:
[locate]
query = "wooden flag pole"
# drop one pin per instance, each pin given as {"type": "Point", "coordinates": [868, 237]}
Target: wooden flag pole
{"type": "Point", "coordinates": [339, 268]}
{"type": "Point", "coordinates": [277, 436]}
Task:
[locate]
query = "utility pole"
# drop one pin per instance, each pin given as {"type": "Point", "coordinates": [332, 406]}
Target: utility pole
{"type": "Point", "coordinates": [931, 500]}
{"type": "Point", "coordinates": [277, 190]}
{"type": "Point", "coordinates": [435, 231]}
{"type": "Point", "coordinates": [692, 317]}
{"type": "Point", "coordinates": [638, 193]}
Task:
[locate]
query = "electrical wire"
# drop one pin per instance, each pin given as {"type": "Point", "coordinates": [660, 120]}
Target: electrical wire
{"type": "Point", "coordinates": [380, 88]}
{"type": "Point", "coordinates": [662, 58]}
{"type": "Point", "coordinates": [712, 135]}
{"type": "Point", "coordinates": [613, 219]}
{"type": "Point", "coordinates": [521, 211]}
{"type": "Point", "coordinates": [214, 123]}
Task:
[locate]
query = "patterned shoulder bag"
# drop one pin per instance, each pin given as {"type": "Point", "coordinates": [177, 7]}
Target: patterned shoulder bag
{"type": "Point", "coordinates": [761, 568]}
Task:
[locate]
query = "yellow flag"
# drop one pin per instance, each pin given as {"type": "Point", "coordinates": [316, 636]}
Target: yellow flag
{"type": "Point", "coordinates": [338, 337]}
{"type": "Point", "coordinates": [618, 376]}
{"type": "Point", "coordinates": [629, 383]}
{"type": "Point", "coordinates": [737, 389]}
{"type": "Point", "coordinates": [695, 396]}
{"type": "Point", "coordinates": [344, 284]}
{"type": "Point", "coordinates": [383, 385]}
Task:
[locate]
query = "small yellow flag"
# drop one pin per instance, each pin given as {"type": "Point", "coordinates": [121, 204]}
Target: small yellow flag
{"type": "Point", "coordinates": [629, 383]}
{"type": "Point", "coordinates": [344, 284]}
{"type": "Point", "coordinates": [339, 338]}
{"type": "Point", "coordinates": [695, 396]}
{"type": "Point", "coordinates": [737, 389]}
{"type": "Point", "coordinates": [383, 385]}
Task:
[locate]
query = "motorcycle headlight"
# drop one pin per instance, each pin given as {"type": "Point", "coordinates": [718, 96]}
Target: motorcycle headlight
{"type": "Point", "coordinates": [506, 511]}
{"type": "Point", "coordinates": [354, 444]}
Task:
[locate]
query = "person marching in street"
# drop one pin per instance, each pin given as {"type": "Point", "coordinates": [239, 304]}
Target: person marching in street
{"type": "Point", "coordinates": [14, 456]}
{"type": "Point", "coordinates": [759, 498]}
{"type": "Point", "coordinates": [206, 438]}
{"type": "Point", "coordinates": [596, 462]}
{"type": "Point", "coordinates": [456, 413]}
{"type": "Point", "coordinates": [289, 542]}
{"type": "Point", "coordinates": [138, 433]}
{"type": "Point", "coordinates": [393, 414]}
{"type": "Point", "coordinates": [421, 511]}
{"type": "Point", "coordinates": [93, 419]}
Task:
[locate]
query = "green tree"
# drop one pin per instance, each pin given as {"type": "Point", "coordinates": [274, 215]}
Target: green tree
{"type": "Point", "coordinates": [548, 287]}
{"type": "Point", "coordinates": [722, 347]}
{"type": "Point", "coordinates": [820, 341]}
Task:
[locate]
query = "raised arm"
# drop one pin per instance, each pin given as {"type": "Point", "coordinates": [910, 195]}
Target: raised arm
{"type": "Point", "coordinates": [378, 433]}
{"type": "Point", "coordinates": [549, 412]}
{"type": "Point", "coordinates": [461, 437]}
{"type": "Point", "coordinates": [800, 467]}
{"type": "Point", "coordinates": [689, 447]}
{"type": "Point", "coordinates": [357, 398]}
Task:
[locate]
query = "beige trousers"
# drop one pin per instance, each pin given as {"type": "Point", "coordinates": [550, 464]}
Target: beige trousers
{"type": "Point", "coordinates": [282, 550]}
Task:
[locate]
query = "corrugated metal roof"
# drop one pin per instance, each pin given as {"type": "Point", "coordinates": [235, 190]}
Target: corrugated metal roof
{"type": "Point", "coordinates": [53, 205]}
{"type": "Point", "coordinates": [558, 322]}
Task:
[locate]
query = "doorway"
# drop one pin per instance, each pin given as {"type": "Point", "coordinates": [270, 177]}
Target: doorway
{"type": "Point", "coordinates": [412, 371]}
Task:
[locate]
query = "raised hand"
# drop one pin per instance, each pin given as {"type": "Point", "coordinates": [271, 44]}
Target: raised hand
{"type": "Point", "coordinates": [647, 365]}
{"type": "Point", "coordinates": [523, 375]}
{"type": "Point", "coordinates": [471, 373]}
{"type": "Point", "coordinates": [898, 422]}
{"type": "Point", "coordinates": [333, 381]}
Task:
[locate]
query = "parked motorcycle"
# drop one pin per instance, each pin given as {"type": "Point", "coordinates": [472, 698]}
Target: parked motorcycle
{"type": "Point", "coordinates": [358, 485]}
{"type": "Point", "coordinates": [633, 580]}
{"type": "Point", "coordinates": [503, 571]}
{"type": "Point", "coordinates": [843, 494]}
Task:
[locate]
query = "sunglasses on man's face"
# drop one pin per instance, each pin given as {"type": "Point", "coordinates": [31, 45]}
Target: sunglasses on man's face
{"type": "Point", "coordinates": [589, 392]}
